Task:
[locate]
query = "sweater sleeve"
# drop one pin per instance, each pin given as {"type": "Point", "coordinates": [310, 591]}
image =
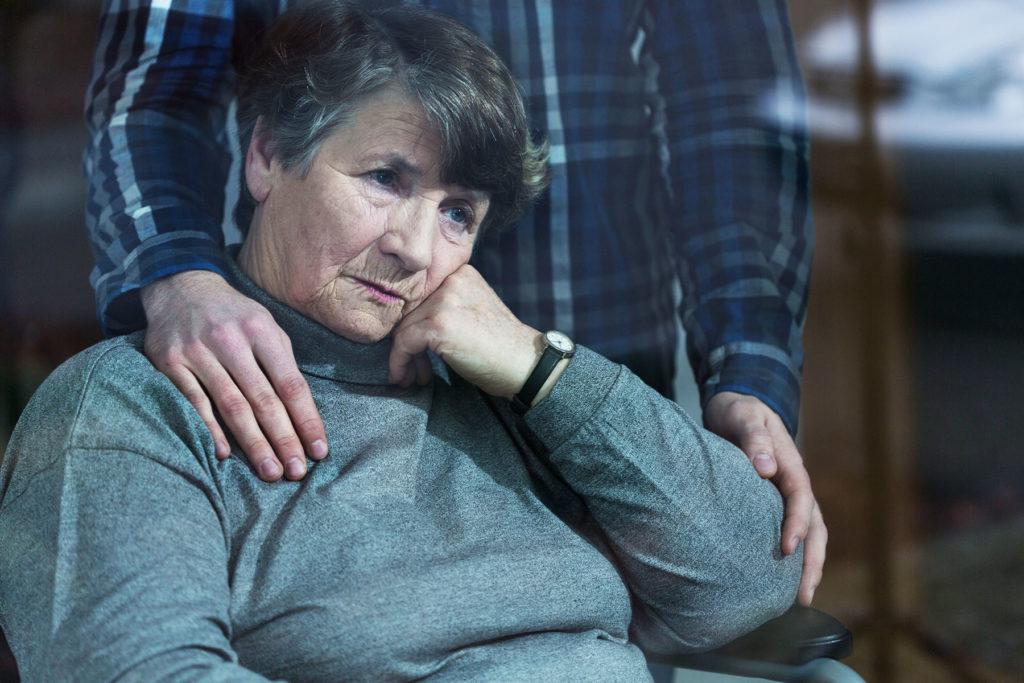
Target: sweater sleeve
{"type": "Point", "coordinates": [695, 531]}
{"type": "Point", "coordinates": [115, 555]}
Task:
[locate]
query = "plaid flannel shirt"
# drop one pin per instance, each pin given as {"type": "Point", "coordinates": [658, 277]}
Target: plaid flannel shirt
{"type": "Point", "coordinates": [666, 168]}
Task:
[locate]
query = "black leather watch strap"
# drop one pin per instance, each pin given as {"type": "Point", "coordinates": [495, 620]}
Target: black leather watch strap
{"type": "Point", "coordinates": [548, 360]}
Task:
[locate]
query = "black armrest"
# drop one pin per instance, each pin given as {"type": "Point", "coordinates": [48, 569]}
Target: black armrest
{"type": "Point", "coordinates": [797, 637]}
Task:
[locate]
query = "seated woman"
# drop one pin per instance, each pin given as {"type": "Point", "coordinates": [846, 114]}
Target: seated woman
{"type": "Point", "coordinates": [463, 527]}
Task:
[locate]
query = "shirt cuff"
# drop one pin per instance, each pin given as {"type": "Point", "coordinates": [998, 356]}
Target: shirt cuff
{"type": "Point", "coordinates": [765, 378]}
{"type": "Point", "coordinates": [117, 292]}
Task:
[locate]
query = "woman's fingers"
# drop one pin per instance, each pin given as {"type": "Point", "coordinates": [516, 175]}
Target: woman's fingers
{"type": "Point", "coordinates": [465, 323]}
{"type": "Point", "coordinates": [409, 363]}
{"type": "Point", "coordinates": [423, 370]}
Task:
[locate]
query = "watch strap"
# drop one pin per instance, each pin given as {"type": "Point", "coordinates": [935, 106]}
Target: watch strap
{"type": "Point", "coordinates": [545, 366]}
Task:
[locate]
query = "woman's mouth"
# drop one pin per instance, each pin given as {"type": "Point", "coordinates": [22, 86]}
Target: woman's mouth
{"type": "Point", "coordinates": [381, 293]}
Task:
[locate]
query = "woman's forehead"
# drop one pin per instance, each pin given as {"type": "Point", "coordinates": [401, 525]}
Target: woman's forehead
{"type": "Point", "coordinates": [389, 125]}
{"type": "Point", "coordinates": [391, 130]}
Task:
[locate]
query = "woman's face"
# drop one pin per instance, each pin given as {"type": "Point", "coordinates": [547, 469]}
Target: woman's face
{"type": "Point", "coordinates": [371, 231]}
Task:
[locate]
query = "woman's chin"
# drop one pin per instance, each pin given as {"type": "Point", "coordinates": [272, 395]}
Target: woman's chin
{"type": "Point", "coordinates": [362, 331]}
{"type": "Point", "coordinates": [365, 338]}
{"type": "Point", "coordinates": [355, 319]}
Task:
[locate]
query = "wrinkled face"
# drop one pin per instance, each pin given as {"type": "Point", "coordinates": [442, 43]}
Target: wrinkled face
{"type": "Point", "coordinates": [370, 231]}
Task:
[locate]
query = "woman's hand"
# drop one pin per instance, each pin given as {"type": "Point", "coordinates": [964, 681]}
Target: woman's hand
{"type": "Point", "coordinates": [465, 323]}
{"type": "Point", "coordinates": [758, 431]}
{"type": "Point", "coordinates": [214, 342]}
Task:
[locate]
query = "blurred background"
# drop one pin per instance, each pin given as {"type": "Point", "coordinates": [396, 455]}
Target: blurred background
{"type": "Point", "coordinates": [913, 410]}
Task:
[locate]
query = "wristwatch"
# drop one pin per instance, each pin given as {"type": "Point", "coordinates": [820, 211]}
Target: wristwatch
{"type": "Point", "coordinates": [557, 346]}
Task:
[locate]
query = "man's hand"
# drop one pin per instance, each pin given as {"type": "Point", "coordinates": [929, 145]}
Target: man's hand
{"type": "Point", "coordinates": [213, 342]}
{"type": "Point", "coordinates": [758, 431]}
{"type": "Point", "coordinates": [465, 323]}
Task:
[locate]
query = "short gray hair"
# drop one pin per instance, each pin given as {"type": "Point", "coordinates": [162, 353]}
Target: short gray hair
{"type": "Point", "coordinates": [320, 60]}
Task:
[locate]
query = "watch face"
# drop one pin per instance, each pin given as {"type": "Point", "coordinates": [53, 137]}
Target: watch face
{"type": "Point", "coordinates": [560, 341]}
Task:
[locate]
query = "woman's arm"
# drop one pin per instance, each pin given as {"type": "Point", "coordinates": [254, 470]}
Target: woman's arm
{"type": "Point", "coordinates": [695, 530]}
{"type": "Point", "coordinates": [115, 553]}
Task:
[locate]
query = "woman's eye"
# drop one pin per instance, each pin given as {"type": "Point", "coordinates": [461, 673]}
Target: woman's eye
{"type": "Point", "coordinates": [460, 215]}
{"type": "Point", "coordinates": [383, 177]}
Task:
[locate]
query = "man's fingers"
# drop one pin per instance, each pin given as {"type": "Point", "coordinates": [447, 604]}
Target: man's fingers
{"type": "Point", "coordinates": [293, 391]}
{"type": "Point", "coordinates": [794, 484]}
{"type": "Point", "coordinates": [814, 557]}
{"type": "Point", "coordinates": [803, 522]}
{"type": "Point", "coordinates": [759, 432]}
{"type": "Point", "coordinates": [191, 389]}
{"type": "Point", "coordinates": [759, 446]}
{"type": "Point", "coordinates": [273, 422]}
{"type": "Point", "coordinates": [200, 327]}
{"type": "Point", "coordinates": [237, 413]}
{"type": "Point", "coordinates": [799, 507]}
{"type": "Point", "coordinates": [741, 420]}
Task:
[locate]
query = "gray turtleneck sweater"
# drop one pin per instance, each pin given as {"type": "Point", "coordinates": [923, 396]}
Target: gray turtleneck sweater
{"type": "Point", "coordinates": [443, 538]}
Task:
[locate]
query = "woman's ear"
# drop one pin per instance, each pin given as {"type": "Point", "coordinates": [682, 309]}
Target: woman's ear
{"type": "Point", "coordinates": [260, 169]}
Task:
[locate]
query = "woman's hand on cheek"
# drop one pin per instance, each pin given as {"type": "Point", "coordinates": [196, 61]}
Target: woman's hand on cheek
{"type": "Point", "coordinates": [465, 323]}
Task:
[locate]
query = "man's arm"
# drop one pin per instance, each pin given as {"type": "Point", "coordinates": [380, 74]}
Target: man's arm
{"type": "Point", "coordinates": [695, 530]}
{"type": "Point", "coordinates": [157, 158]}
{"type": "Point", "coordinates": [156, 168]}
{"type": "Point", "coordinates": [740, 189]}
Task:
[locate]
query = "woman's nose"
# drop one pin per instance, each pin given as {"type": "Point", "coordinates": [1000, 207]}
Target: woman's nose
{"type": "Point", "coordinates": [410, 236]}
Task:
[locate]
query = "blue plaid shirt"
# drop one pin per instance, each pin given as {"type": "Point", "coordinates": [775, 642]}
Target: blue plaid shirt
{"type": "Point", "coordinates": [666, 168]}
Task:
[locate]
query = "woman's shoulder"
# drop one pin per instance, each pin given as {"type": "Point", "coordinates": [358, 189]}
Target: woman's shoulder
{"type": "Point", "coordinates": [108, 396]}
{"type": "Point", "coordinates": [114, 370]}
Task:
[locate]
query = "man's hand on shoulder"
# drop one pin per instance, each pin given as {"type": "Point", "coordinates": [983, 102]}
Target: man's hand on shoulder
{"type": "Point", "coordinates": [759, 432]}
{"type": "Point", "coordinates": [215, 343]}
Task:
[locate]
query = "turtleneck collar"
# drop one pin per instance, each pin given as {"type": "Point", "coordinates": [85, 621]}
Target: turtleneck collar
{"type": "Point", "coordinates": [320, 351]}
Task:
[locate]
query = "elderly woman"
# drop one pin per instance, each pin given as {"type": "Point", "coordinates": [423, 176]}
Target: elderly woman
{"type": "Point", "coordinates": [497, 506]}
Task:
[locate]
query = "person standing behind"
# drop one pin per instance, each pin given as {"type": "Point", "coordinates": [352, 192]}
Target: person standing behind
{"type": "Point", "coordinates": [662, 160]}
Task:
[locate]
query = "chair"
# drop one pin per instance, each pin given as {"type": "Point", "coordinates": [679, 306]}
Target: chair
{"type": "Point", "coordinates": [804, 644]}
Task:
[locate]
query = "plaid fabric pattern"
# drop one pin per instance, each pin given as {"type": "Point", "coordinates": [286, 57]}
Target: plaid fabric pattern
{"type": "Point", "coordinates": [666, 168]}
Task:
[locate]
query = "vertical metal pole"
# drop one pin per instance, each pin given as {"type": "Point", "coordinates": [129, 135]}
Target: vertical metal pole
{"type": "Point", "coordinates": [879, 291]}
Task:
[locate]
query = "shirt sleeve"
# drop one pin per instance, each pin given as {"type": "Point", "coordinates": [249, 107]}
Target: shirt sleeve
{"type": "Point", "coordinates": [157, 160]}
{"type": "Point", "coordinates": [695, 531]}
{"type": "Point", "coordinates": [731, 119]}
{"type": "Point", "coordinates": [114, 562]}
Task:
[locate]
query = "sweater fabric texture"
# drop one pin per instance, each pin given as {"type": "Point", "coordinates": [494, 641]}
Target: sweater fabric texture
{"type": "Point", "coordinates": [443, 538]}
